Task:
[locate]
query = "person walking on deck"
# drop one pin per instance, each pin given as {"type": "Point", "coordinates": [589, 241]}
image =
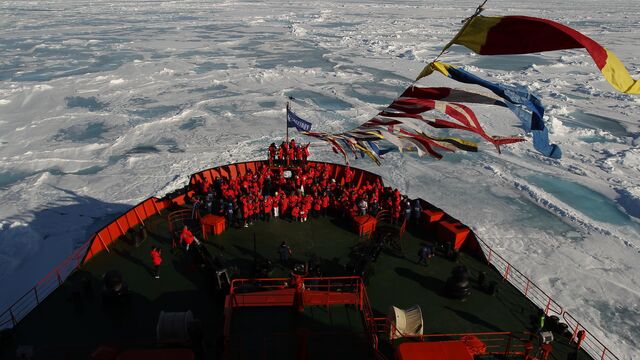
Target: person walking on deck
{"type": "Point", "coordinates": [284, 251]}
{"type": "Point", "coordinates": [156, 259]}
{"type": "Point", "coordinates": [424, 254]}
{"type": "Point", "coordinates": [187, 237]}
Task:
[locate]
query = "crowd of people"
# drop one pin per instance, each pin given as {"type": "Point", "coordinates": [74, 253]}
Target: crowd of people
{"type": "Point", "coordinates": [298, 193]}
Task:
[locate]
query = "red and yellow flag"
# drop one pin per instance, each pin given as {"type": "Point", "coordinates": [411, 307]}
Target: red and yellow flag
{"type": "Point", "coordinates": [510, 35]}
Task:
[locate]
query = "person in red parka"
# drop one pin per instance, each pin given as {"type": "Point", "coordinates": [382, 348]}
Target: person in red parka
{"type": "Point", "coordinates": [305, 153]}
{"type": "Point", "coordinates": [284, 206]}
{"type": "Point", "coordinates": [284, 150]}
{"type": "Point", "coordinates": [325, 204]}
{"type": "Point", "coordinates": [272, 153]}
{"type": "Point", "coordinates": [299, 154]}
{"type": "Point", "coordinates": [267, 206]}
{"type": "Point", "coordinates": [348, 176]}
{"type": "Point", "coordinates": [317, 206]}
{"type": "Point", "coordinates": [291, 152]}
{"type": "Point", "coordinates": [295, 213]}
{"type": "Point", "coordinates": [187, 237]}
{"type": "Point", "coordinates": [156, 259]}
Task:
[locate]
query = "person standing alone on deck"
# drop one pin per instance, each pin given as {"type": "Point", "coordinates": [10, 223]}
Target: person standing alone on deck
{"type": "Point", "coordinates": [186, 237]}
{"type": "Point", "coordinates": [284, 251]}
{"type": "Point", "coordinates": [156, 259]}
{"type": "Point", "coordinates": [424, 254]}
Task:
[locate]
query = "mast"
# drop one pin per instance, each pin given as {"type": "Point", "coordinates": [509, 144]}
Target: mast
{"type": "Point", "coordinates": [287, 122]}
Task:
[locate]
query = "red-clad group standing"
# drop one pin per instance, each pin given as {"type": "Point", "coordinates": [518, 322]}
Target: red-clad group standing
{"type": "Point", "coordinates": [309, 191]}
{"type": "Point", "coordinates": [288, 153]}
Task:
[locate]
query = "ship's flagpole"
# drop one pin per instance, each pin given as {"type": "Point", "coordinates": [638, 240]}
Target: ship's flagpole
{"type": "Point", "coordinates": [286, 123]}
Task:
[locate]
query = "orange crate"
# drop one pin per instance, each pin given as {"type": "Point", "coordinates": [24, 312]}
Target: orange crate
{"type": "Point", "coordinates": [453, 231]}
{"type": "Point", "coordinates": [212, 223]}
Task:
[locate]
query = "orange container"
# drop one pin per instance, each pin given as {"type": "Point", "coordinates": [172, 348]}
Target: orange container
{"type": "Point", "coordinates": [453, 231]}
{"type": "Point", "coordinates": [212, 223]}
{"type": "Point", "coordinates": [365, 224]}
{"type": "Point", "coordinates": [430, 218]}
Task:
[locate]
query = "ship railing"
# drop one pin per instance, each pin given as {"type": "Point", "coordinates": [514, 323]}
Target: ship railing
{"type": "Point", "coordinates": [590, 344]}
{"type": "Point", "coordinates": [352, 284]}
{"type": "Point", "coordinates": [485, 343]}
{"type": "Point", "coordinates": [99, 242]}
{"type": "Point", "coordinates": [328, 284]}
{"type": "Point", "coordinates": [32, 298]}
{"type": "Point", "coordinates": [260, 291]}
{"type": "Point", "coordinates": [520, 281]}
{"type": "Point", "coordinates": [371, 322]}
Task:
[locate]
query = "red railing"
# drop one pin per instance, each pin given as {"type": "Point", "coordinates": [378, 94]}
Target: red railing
{"type": "Point", "coordinates": [32, 298]}
{"type": "Point", "coordinates": [591, 345]}
{"type": "Point", "coordinates": [99, 242]}
{"type": "Point", "coordinates": [520, 281]}
{"type": "Point", "coordinates": [371, 322]}
{"type": "Point", "coordinates": [493, 343]}
{"type": "Point", "coordinates": [278, 292]}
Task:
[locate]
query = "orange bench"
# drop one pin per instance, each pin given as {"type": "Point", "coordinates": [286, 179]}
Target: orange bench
{"type": "Point", "coordinates": [212, 223]}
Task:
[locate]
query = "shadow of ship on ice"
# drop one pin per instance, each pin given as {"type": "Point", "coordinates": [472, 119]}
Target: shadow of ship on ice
{"type": "Point", "coordinates": [33, 243]}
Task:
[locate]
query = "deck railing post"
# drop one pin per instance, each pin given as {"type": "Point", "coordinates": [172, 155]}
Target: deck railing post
{"type": "Point", "coordinates": [526, 289]}
{"type": "Point", "coordinates": [604, 351]}
{"type": "Point", "coordinates": [546, 309]}
{"type": "Point", "coordinates": [506, 272]}
{"type": "Point", "coordinates": [59, 277]}
{"type": "Point", "coordinates": [575, 331]}
{"type": "Point", "coordinates": [135, 210]}
{"type": "Point", "coordinates": [35, 291]}
{"type": "Point", "coordinates": [102, 242]}
{"type": "Point", "coordinates": [13, 318]}
{"type": "Point", "coordinates": [155, 206]}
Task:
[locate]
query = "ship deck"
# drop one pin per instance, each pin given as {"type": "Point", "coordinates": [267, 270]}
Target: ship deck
{"type": "Point", "coordinates": [72, 321]}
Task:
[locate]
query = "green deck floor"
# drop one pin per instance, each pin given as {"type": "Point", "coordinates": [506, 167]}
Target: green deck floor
{"type": "Point", "coordinates": [71, 322]}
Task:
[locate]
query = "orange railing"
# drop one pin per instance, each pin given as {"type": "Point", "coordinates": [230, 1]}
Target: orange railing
{"type": "Point", "coordinates": [318, 291]}
{"type": "Point", "coordinates": [591, 345]}
{"type": "Point", "coordinates": [520, 281]}
{"type": "Point", "coordinates": [99, 242]}
{"type": "Point", "coordinates": [32, 298]}
{"type": "Point", "coordinates": [494, 343]}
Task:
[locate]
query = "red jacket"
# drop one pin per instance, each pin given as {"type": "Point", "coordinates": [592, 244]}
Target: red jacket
{"type": "Point", "coordinates": [325, 201]}
{"type": "Point", "coordinates": [156, 258]}
{"type": "Point", "coordinates": [284, 204]}
{"type": "Point", "coordinates": [186, 236]}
